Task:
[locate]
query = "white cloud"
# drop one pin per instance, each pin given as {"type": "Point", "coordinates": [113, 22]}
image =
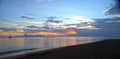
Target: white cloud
{"type": "Point", "coordinates": [79, 18]}
{"type": "Point", "coordinates": [90, 27]}
{"type": "Point", "coordinates": [65, 27]}
{"type": "Point", "coordinates": [118, 15]}
{"type": "Point", "coordinates": [55, 25]}
{"type": "Point", "coordinates": [20, 27]}
{"type": "Point", "coordinates": [33, 22]}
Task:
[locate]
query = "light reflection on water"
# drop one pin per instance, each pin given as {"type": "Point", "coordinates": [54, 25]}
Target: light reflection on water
{"type": "Point", "coordinates": [7, 44]}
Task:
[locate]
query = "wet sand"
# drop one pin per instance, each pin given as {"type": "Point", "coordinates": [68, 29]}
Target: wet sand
{"type": "Point", "coordinates": [106, 49]}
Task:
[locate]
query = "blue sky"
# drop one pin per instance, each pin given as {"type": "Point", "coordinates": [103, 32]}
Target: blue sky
{"type": "Point", "coordinates": [44, 15]}
{"type": "Point", "coordinates": [13, 9]}
{"type": "Point", "coordinates": [40, 9]}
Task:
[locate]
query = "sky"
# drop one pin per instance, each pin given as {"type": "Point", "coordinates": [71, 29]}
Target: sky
{"type": "Point", "coordinates": [58, 17]}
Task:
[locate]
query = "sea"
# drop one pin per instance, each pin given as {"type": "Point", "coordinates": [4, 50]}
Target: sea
{"type": "Point", "coordinates": [19, 44]}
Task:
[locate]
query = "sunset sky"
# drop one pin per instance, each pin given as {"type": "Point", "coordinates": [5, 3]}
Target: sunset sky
{"type": "Point", "coordinates": [59, 18]}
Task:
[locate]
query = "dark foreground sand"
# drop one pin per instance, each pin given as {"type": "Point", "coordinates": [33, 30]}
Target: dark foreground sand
{"type": "Point", "coordinates": [107, 49]}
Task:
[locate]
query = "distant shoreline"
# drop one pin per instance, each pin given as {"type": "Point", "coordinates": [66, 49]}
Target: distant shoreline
{"type": "Point", "coordinates": [56, 36]}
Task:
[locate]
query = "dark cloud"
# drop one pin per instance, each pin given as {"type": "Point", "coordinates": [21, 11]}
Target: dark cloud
{"type": "Point", "coordinates": [118, 3]}
{"type": "Point", "coordinates": [109, 27]}
{"type": "Point", "coordinates": [26, 17]}
{"type": "Point", "coordinates": [114, 9]}
{"type": "Point", "coordinates": [47, 26]}
{"type": "Point", "coordinates": [3, 20]}
{"type": "Point", "coordinates": [107, 23]}
{"type": "Point", "coordinates": [32, 26]}
{"type": "Point", "coordinates": [31, 14]}
{"type": "Point", "coordinates": [51, 19]}
{"type": "Point", "coordinates": [98, 33]}
{"type": "Point", "coordinates": [35, 29]}
{"type": "Point", "coordinates": [8, 29]}
{"type": "Point", "coordinates": [30, 30]}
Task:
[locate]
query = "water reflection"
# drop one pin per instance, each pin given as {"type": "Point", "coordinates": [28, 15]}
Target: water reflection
{"type": "Point", "coordinates": [7, 44]}
{"type": "Point", "coordinates": [83, 40]}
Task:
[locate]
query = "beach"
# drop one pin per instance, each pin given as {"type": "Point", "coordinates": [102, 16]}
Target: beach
{"type": "Point", "coordinates": [106, 49]}
{"type": "Point", "coordinates": [60, 29]}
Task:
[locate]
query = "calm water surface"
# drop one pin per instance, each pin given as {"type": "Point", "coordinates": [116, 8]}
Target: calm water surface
{"type": "Point", "coordinates": [22, 43]}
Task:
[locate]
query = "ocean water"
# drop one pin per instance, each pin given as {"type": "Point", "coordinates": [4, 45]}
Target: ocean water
{"type": "Point", "coordinates": [26, 43]}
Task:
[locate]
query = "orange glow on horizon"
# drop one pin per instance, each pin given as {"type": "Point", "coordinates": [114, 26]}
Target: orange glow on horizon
{"type": "Point", "coordinates": [70, 31]}
{"type": "Point", "coordinates": [43, 33]}
{"type": "Point", "coordinates": [11, 33]}
{"type": "Point", "coordinates": [47, 34]}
